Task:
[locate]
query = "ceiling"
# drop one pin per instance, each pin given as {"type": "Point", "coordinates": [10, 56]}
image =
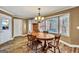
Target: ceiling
{"type": "Point", "coordinates": [31, 11]}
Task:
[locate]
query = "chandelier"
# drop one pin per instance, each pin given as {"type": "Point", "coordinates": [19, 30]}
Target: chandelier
{"type": "Point", "coordinates": [39, 18]}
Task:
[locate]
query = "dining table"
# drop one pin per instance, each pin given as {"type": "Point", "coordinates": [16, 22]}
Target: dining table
{"type": "Point", "coordinates": [44, 37]}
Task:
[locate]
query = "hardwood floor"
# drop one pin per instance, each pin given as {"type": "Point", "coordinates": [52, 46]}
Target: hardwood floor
{"type": "Point", "coordinates": [18, 45]}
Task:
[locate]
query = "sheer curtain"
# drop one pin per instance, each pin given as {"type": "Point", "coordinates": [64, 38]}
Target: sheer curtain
{"type": "Point", "coordinates": [18, 27]}
{"type": "Point", "coordinates": [29, 25]}
{"type": "Point", "coordinates": [42, 26]}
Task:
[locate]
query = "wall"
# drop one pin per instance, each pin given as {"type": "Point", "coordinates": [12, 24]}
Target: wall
{"type": "Point", "coordinates": [25, 26]}
{"type": "Point", "coordinates": [30, 27]}
{"type": "Point", "coordinates": [74, 22]}
{"type": "Point", "coordinates": [24, 30]}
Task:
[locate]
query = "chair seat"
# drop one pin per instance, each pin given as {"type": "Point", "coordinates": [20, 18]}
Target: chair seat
{"type": "Point", "coordinates": [56, 43]}
{"type": "Point", "coordinates": [39, 41]}
{"type": "Point", "coordinates": [34, 43]}
{"type": "Point", "coordinates": [50, 45]}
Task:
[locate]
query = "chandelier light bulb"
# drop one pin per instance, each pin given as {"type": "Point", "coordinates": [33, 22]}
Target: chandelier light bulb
{"type": "Point", "coordinates": [35, 18]}
{"type": "Point", "coordinates": [39, 18]}
{"type": "Point", "coordinates": [42, 18]}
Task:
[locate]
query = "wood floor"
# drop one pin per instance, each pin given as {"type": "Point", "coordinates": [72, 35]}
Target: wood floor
{"type": "Point", "coordinates": [18, 45]}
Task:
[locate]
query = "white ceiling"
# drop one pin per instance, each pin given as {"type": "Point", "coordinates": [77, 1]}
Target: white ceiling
{"type": "Point", "coordinates": [31, 11]}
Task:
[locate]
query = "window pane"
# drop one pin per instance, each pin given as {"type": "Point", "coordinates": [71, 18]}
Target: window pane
{"type": "Point", "coordinates": [53, 28]}
{"type": "Point", "coordinates": [42, 26]}
{"type": "Point", "coordinates": [64, 24]}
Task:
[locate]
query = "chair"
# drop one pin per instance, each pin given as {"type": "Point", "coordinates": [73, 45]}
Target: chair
{"type": "Point", "coordinates": [56, 43]}
{"type": "Point", "coordinates": [45, 31]}
{"type": "Point", "coordinates": [32, 41]}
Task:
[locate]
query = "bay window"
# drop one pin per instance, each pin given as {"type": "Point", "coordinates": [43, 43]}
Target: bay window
{"type": "Point", "coordinates": [57, 24]}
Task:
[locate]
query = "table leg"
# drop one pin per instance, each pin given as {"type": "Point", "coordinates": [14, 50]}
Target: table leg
{"type": "Point", "coordinates": [44, 47]}
{"type": "Point", "coordinates": [45, 43]}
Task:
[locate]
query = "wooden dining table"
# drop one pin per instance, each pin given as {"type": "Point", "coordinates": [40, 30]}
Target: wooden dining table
{"type": "Point", "coordinates": [44, 37]}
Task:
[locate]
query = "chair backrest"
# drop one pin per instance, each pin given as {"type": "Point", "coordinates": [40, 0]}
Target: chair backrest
{"type": "Point", "coordinates": [57, 38]}
{"type": "Point", "coordinates": [45, 31]}
{"type": "Point", "coordinates": [31, 37]}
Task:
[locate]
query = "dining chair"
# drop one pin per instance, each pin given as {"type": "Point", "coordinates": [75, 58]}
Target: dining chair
{"type": "Point", "coordinates": [30, 41]}
{"type": "Point", "coordinates": [55, 44]}
{"type": "Point", "coordinates": [45, 31]}
{"type": "Point", "coordinates": [33, 42]}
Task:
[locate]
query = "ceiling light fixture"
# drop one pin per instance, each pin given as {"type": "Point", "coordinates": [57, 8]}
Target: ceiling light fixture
{"type": "Point", "coordinates": [39, 18]}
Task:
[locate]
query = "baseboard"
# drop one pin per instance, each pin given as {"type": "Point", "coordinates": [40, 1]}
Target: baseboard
{"type": "Point", "coordinates": [70, 45]}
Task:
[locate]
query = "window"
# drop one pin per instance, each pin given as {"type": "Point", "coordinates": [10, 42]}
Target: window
{"type": "Point", "coordinates": [53, 25]}
{"type": "Point", "coordinates": [5, 23]}
{"type": "Point", "coordinates": [18, 27]}
{"type": "Point", "coordinates": [64, 24]}
{"type": "Point", "coordinates": [5, 28]}
{"type": "Point", "coordinates": [42, 26]}
{"type": "Point", "coordinates": [50, 25]}
{"type": "Point", "coordinates": [56, 24]}
{"type": "Point", "coordinates": [29, 25]}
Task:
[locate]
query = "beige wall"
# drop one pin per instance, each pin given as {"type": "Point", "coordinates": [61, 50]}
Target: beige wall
{"type": "Point", "coordinates": [74, 22]}
{"type": "Point", "coordinates": [25, 26]}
